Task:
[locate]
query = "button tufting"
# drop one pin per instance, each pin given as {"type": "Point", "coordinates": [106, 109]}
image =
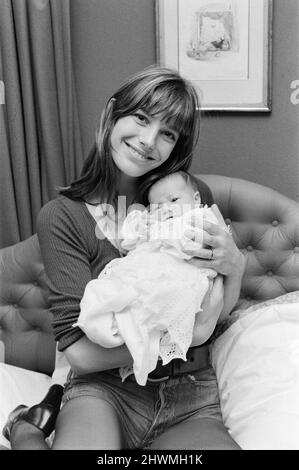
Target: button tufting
{"type": "Point", "coordinates": [35, 284]}
{"type": "Point", "coordinates": [275, 223]}
{"type": "Point", "coordinates": [249, 248]}
{"type": "Point", "coordinates": [228, 221]}
{"type": "Point", "coordinates": [270, 273]}
{"type": "Point", "coordinates": [248, 297]}
{"type": "Point", "coordinates": [15, 306]}
{"type": "Point", "coordinates": [296, 249]}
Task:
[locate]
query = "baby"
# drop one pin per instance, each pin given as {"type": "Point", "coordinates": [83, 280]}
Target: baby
{"type": "Point", "coordinates": [149, 298]}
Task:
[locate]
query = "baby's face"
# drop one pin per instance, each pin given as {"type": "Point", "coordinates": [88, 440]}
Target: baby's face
{"type": "Point", "coordinates": [173, 191]}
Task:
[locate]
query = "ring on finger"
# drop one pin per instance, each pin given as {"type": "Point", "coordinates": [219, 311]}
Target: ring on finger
{"type": "Point", "coordinates": [211, 255]}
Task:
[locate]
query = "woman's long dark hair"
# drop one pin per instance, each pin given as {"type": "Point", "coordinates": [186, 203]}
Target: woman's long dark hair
{"type": "Point", "coordinates": [157, 91]}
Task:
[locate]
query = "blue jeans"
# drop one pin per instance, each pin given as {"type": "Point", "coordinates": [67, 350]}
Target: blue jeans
{"type": "Point", "coordinates": [145, 412]}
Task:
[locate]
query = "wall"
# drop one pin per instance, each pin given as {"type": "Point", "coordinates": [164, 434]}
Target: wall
{"type": "Point", "coordinates": [111, 40]}
{"type": "Point", "coordinates": [114, 38]}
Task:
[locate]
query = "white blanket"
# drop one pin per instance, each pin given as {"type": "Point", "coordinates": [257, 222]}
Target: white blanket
{"type": "Point", "coordinates": [257, 366]}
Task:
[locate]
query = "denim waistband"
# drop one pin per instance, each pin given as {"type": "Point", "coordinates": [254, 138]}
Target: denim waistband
{"type": "Point", "coordinates": [197, 359]}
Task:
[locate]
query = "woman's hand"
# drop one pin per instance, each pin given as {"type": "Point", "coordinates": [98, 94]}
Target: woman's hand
{"type": "Point", "coordinates": [212, 307]}
{"type": "Point", "coordinates": [223, 254]}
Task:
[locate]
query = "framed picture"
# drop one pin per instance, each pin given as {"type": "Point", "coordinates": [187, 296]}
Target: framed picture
{"type": "Point", "coordinates": [223, 47]}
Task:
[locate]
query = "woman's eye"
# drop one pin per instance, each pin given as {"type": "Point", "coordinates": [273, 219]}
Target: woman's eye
{"type": "Point", "coordinates": [140, 118]}
{"type": "Point", "coordinates": [174, 199]}
{"type": "Point", "coordinates": [170, 136]}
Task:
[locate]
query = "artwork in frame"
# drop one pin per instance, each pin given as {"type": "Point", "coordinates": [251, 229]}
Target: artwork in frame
{"type": "Point", "coordinates": [223, 47]}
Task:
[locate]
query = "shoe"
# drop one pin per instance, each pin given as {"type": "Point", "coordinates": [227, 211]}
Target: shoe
{"type": "Point", "coordinates": [43, 415]}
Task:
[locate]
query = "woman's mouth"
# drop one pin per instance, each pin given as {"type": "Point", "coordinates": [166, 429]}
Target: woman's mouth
{"type": "Point", "coordinates": [140, 154]}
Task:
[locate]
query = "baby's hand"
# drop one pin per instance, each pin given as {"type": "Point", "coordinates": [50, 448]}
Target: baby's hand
{"type": "Point", "coordinates": [135, 228]}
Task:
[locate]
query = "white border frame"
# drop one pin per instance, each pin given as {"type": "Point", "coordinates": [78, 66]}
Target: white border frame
{"type": "Point", "coordinates": [222, 95]}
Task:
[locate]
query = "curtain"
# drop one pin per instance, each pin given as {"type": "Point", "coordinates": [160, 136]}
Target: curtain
{"type": "Point", "coordinates": [40, 140]}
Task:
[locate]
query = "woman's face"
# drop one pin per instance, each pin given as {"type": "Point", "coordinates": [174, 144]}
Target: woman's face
{"type": "Point", "coordinates": [141, 142]}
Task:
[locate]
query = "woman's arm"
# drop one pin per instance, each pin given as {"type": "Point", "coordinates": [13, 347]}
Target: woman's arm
{"type": "Point", "coordinates": [232, 287]}
{"type": "Point", "coordinates": [67, 241]}
{"type": "Point", "coordinates": [227, 258]}
{"type": "Point", "coordinates": [206, 320]}
{"type": "Point", "coordinates": [85, 357]}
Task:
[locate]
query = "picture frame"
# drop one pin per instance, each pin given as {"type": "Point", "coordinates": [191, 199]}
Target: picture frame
{"type": "Point", "coordinates": [224, 47]}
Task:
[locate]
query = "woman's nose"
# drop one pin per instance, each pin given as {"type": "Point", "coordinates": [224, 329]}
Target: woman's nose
{"type": "Point", "coordinates": [148, 135]}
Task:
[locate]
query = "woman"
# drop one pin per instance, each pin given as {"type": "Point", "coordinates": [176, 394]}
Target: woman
{"type": "Point", "coordinates": [148, 128]}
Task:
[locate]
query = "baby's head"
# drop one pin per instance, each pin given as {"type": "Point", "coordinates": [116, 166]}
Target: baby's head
{"type": "Point", "coordinates": [179, 188]}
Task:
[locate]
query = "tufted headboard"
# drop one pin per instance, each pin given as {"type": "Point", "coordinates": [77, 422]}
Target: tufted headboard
{"type": "Point", "coordinates": [265, 227]}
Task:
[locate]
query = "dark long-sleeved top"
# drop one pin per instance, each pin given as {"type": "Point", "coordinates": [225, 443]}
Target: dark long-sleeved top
{"type": "Point", "coordinates": [72, 256]}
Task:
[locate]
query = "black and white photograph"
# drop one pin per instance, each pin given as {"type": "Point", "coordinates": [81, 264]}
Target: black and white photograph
{"type": "Point", "coordinates": [149, 230]}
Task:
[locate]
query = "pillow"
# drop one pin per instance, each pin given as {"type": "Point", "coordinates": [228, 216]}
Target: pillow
{"type": "Point", "coordinates": [257, 367]}
{"type": "Point", "coordinates": [19, 386]}
{"type": "Point", "coordinates": [290, 297]}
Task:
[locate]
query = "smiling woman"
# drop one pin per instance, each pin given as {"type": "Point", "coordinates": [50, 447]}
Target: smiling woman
{"type": "Point", "coordinates": [148, 129]}
{"type": "Point", "coordinates": [154, 114]}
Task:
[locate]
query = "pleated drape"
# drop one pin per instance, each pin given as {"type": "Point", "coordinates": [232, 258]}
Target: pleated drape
{"type": "Point", "coordinates": [40, 140]}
